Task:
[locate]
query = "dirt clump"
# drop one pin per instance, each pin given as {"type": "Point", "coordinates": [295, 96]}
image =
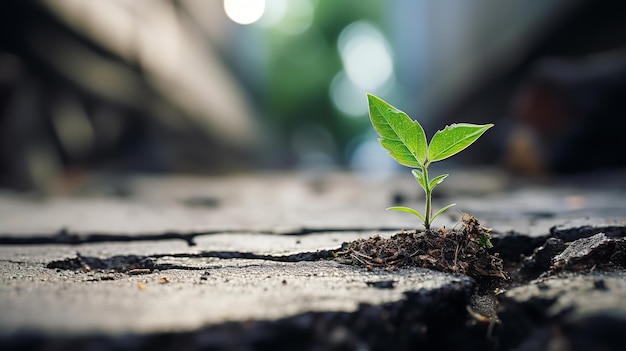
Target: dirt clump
{"type": "Point", "coordinates": [462, 251]}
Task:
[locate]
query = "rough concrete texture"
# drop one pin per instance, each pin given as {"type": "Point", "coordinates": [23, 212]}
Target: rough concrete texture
{"type": "Point", "coordinates": [566, 312]}
{"type": "Point", "coordinates": [592, 249]}
{"type": "Point", "coordinates": [584, 227]}
{"type": "Point", "coordinates": [216, 302]}
{"type": "Point", "coordinates": [192, 295]}
{"type": "Point", "coordinates": [243, 263]}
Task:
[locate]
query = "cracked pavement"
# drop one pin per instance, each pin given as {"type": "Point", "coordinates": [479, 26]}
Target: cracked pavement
{"type": "Point", "coordinates": [194, 255]}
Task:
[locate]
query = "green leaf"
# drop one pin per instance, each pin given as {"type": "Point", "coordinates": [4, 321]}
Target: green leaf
{"type": "Point", "coordinates": [406, 209]}
{"type": "Point", "coordinates": [453, 139]}
{"type": "Point", "coordinates": [484, 239]}
{"type": "Point", "coordinates": [403, 137]}
{"type": "Point", "coordinates": [441, 211]}
{"type": "Point", "coordinates": [437, 180]}
{"type": "Point", "coordinates": [417, 173]}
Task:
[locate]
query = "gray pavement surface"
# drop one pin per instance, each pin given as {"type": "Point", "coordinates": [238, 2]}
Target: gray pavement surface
{"type": "Point", "coordinates": [181, 288]}
{"type": "Point", "coordinates": [212, 292]}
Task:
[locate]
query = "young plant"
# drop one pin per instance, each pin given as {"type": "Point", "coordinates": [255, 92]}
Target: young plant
{"type": "Point", "coordinates": [405, 140]}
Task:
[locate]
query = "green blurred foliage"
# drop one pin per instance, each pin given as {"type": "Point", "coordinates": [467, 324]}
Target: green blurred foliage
{"type": "Point", "coordinates": [301, 68]}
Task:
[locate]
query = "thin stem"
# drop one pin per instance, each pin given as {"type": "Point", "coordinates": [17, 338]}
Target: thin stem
{"type": "Point", "coordinates": [427, 190]}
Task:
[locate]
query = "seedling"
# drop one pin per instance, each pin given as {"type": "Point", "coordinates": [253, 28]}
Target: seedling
{"type": "Point", "coordinates": [405, 140]}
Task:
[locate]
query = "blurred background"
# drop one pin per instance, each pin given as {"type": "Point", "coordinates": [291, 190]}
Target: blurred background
{"type": "Point", "coordinates": [220, 87]}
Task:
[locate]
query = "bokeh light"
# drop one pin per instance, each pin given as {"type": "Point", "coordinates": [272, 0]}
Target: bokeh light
{"type": "Point", "coordinates": [367, 68]}
{"type": "Point", "coordinates": [365, 55]}
{"type": "Point", "coordinates": [346, 96]}
{"type": "Point", "coordinates": [244, 11]}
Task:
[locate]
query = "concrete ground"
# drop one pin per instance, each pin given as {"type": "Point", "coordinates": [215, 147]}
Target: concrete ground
{"type": "Point", "coordinates": [238, 262]}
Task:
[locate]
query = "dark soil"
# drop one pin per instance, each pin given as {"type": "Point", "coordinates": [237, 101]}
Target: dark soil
{"type": "Point", "coordinates": [462, 251]}
{"type": "Point", "coordinates": [468, 251]}
{"type": "Point", "coordinates": [465, 251]}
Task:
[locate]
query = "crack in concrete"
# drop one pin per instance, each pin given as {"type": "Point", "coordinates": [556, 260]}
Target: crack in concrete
{"type": "Point", "coordinates": [296, 257]}
{"type": "Point", "coordinates": [67, 237]}
{"type": "Point", "coordinates": [128, 263]}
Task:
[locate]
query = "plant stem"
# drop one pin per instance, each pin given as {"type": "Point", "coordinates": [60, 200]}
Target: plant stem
{"type": "Point", "coordinates": [427, 190]}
